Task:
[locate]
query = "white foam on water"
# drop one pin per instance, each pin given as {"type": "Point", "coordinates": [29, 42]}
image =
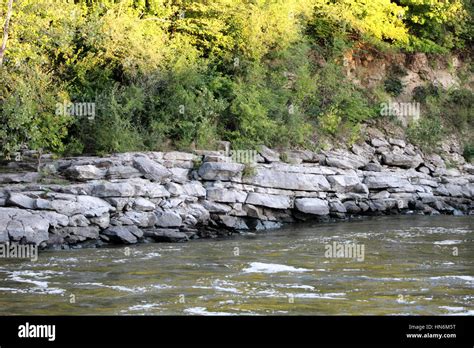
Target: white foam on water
{"type": "Point", "coordinates": [204, 311]}
{"type": "Point", "coordinates": [38, 280]}
{"type": "Point", "coordinates": [119, 261]}
{"type": "Point", "coordinates": [466, 278]}
{"type": "Point", "coordinates": [452, 309]}
{"type": "Point", "coordinates": [68, 259]}
{"type": "Point", "coordinates": [144, 307]}
{"type": "Point", "coordinates": [151, 256]}
{"type": "Point", "coordinates": [386, 278]}
{"type": "Point", "coordinates": [14, 290]}
{"type": "Point", "coordinates": [457, 310]}
{"type": "Point", "coordinates": [162, 286]}
{"type": "Point", "coordinates": [260, 267]}
{"type": "Point", "coordinates": [115, 287]}
{"type": "Point", "coordinates": [328, 296]}
{"type": "Point", "coordinates": [448, 242]}
{"type": "Point", "coordinates": [220, 286]}
{"type": "Point", "coordinates": [296, 286]}
{"type": "Point", "coordinates": [270, 293]}
{"type": "Point", "coordinates": [402, 301]}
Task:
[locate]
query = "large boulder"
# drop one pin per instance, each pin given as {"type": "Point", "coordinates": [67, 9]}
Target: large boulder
{"type": "Point", "coordinates": [79, 234]}
{"type": "Point", "coordinates": [363, 150]}
{"type": "Point", "coordinates": [21, 200]}
{"type": "Point", "coordinates": [379, 142]}
{"type": "Point", "coordinates": [145, 188]}
{"type": "Point", "coordinates": [123, 234]}
{"type": "Point", "coordinates": [268, 200]}
{"type": "Point", "coordinates": [337, 207]}
{"type": "Point", "coordinates": [122, 172]}
{"type": "Point", "coordinates": [345, 160]}
{"type": "Point", "coordinates": [269, 155]}
{"type": "Point", "coordinates": [219, 194]}
{"type": "Point", "coordinates": [143, 204]}
{"type": "Point", "coordinates": [401, 160]}
{"type": "Point", "coordinates": [141, 219]}
{"type": "Point", "coordinates": [84, 172]}
{"type": "Point", "coordinates": [220, 171]}
{"type": "Point", "coordinates": [166, 235]}
{"type": "Point", "coordinates": [345, 183]}
{"type": "Point", "coordinates": [314, 206]}
{"type": "Point", "coordinates": [168, 219]}
{"type": "Point", "coordinates": [385, 180]}
{"type": "Point", "coordinates": [22, 226]}
{"type": "Point", "coordinates": [272, 178]}
{"type": "Point", "coordinates": [113, 189]}
{"type": "Point", "coordinates": [17, 178]}
{"type": "Point", "coordinates": [54, 219]}
{"type": "Point", "coordinates": [233, 222]}
{"type": "Point", "coordinates": [150, 169]}
{"type": "Point", "coordinates": [215, 207]}
{"type": "Point", "coordinates": [194, 189]}
{"type": "Point", "coordinates": [86, 205]}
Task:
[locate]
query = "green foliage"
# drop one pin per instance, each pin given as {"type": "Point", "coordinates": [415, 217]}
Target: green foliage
{"type": "Point", "coordinates": [249, 171]}
{"type": "Point", "coordinates": [393, 85]}
{"type": "Point", "coordinates": [420, 93]}
{"type": "Point", "coordinates": [438, 25]}
{"type": "Point", "coordinates": [176, 73]}
{"type": "Point", "coordinates": [330, 121]}
{"type": "Point", "coordinates": [468, 152]}
{"type": "Point", "coordinates": [113, 129]}
{"type": "Point", "coordinates": [426, 133]}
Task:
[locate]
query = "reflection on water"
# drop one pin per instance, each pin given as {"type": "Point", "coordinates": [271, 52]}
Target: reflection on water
{"type": "Point", "coordinates": [411, 265]}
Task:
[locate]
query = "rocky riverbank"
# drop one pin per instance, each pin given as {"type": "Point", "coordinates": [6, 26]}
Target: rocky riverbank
{"type": "Point", "coordinates": [176, 196]}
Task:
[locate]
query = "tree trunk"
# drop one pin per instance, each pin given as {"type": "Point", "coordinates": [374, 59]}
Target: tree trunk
{"type": "Point", "coordinates": [5, 31]}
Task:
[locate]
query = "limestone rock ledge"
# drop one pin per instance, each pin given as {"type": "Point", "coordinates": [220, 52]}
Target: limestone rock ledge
{"type": "Point", "coordinates": [174, 197]}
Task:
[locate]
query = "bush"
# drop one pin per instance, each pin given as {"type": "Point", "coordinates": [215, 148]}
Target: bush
{"type": "Point", "coordinates": [187, 73]}
{"type": "Point", "coordinates": [420, 93]}
{"type": "Point", "coordinates": [426, 133]}
{"type": "Point", "coordinates": [330, 121]}
{"type": "Point", "coordinates": [469, 152]}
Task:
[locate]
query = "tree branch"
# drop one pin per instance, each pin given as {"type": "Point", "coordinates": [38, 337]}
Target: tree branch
{"type": "Point", "coordinates": [5, 31]}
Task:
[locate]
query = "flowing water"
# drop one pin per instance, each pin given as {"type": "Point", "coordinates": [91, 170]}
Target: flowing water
{"type": "Point", "coordinates": [410, 265]}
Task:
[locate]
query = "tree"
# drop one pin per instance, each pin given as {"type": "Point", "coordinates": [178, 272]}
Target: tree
{"type": "Point", "coordinates": [5, 31]}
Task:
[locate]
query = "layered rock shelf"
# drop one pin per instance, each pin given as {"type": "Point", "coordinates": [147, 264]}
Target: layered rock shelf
{"type": "Point", "coordinates": [175, 196]}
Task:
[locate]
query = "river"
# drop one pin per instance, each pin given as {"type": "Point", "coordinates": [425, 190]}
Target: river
{"type": "Point", "coordinates": [405, 265]}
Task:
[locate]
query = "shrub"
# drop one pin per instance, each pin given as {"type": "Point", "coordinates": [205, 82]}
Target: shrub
{"type": "Point", "coordinates": [469, 152]}
{"type": "Point", "coordinates": [393, 85]}
{"type": "Point", "coordinates": [426, 133]}
{"type": "Point", "coordinates": [330, 121]}
{"type": "Point", "coordinates": [420, 93]}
